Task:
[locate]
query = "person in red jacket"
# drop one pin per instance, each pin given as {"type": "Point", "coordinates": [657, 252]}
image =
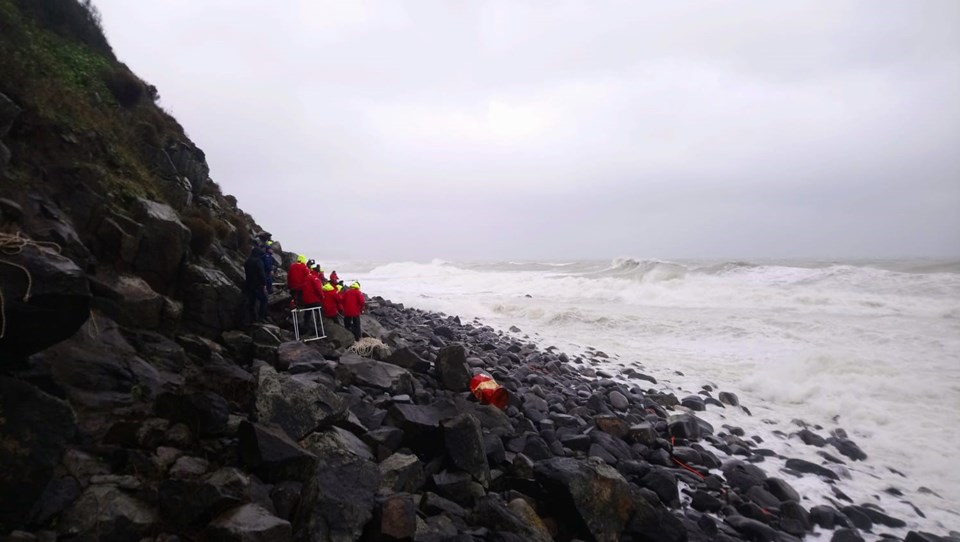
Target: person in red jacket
{"type": "Point", "coordinates": [296, 276]}
{"type": "Point", "coordinates": [331, 303]}
{"type": "Point", "coordinates": [312, 291]}
{"type": "Point", "coordinates": [333, 277]}
{"type": "Point", "coordinates": [353, 301]}
{"type": "Point", "coordinates": [312, 294]}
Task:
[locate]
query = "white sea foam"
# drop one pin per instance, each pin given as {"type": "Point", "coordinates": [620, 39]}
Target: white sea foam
{"type": "Point", "coordinates": [872, 347]}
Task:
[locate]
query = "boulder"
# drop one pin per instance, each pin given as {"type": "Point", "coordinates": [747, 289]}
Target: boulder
{"type": "Point", "coordinates": [190, 502]}
{"type": "Point", "coordinates": [409, 360]}
{"type": "Point", "coordinates": [464, 443]}
{"type": "Point", "coordinates": [298, 405]}
{"type": "Point", "coordinates": [163, 244]}
{"type": "Point", "coordinates": [802, 465]}
{"type": "Point", "coordinates": [518, 518]}
{"type": "Point", "coordinates": [206, 413]}
{"type": "Point", "coordinates": [402, 472]}
{"type": "Point", "coordinates": [396, 517]}
{"type": "Point", "coordinates": [781, 490]}
{"type": "Point", "coordinates": [294, 353]}
{"type": "Point", "coordinates": [97, 370]}
{"type": "Point", "coordinates": [189, 161]}
{"type": "Point", "coordinates": [127, 299]}
{"type": "Point", "coordinates": [110, 513]}
{"type": "Point", "coordinates": [752, 529]}
{"type": "Point", "coordinates": [371, 327]}
{"type": "Point", "coordinates": [452, 370]}
{"type": "Point", "coordinates": [848, 448]}
{"type": "Point", "coordinates": [230, 381]}
{"type": "Point", "coordinates": [353, 369]}
{"type": "Point", "coordinates": [597, 495]}
{"type": "Point", "coordinates": [239, 345]}
{"type": "Point", "coordinates": [684, 426]}
{"type": "Point", "coordinates": [270, 453]}
{"type": "Point", "coordinates": [458, 487]}
{"type": "Point", "coordinates": [743, 476]}
{"type": "Point", "coordinates": [336, 444]}
{"type": "Point", "coordinates": [35, 429]}
{"type": "Point", "coordinates": [338, 336]}
{"type": "Point", "coordinates": [9, 111]}
{"type": "Point", "coordinates": [212, 302]}
{"type": "Point", "coordinates": [114, 236]}
{"type": "Point", "coordinates": [729, 398]}
{"type": "Point", "coordinates": [57, 305]}
{"type": "Point", "coordinates": [339, 499]}
{"type": "Point", "coordinates": [249, 523]}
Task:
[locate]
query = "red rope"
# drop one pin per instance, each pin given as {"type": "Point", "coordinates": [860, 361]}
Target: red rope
{"type": "Point", "coordinates": [688, 467]}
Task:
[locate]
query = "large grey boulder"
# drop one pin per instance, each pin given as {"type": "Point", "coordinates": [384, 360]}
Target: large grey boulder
{"type": "Point", "coordinates": [353, 369]}
{"type": "Point", "coordinates": [452, 369]}
{"type": "Point", "coordinates": [599, 494]}
{"type": "Point", "coordinates": [190, 162]}
{"type": "Point", "coordinates": [109, 512]}
{"type": "Point", "coordinates": [57, 305]}
{"type": "Point", "coordinates": [464, 444]}
{"type": "Point", "coordinates": [187, 501]}
{"type": "Point", "coordinates": [272, 455]}
{"type": "Point", "coordinates": [249, 523]}
{"type": "Point", "coordinates": [163, 244]}
{"type": "Point", "coordinates": [128, 300]}
{"type": "Point", "coordinates": [520, 520]}
{"type": "Point", "coordinates": [35, 429]}
{"type": "Point", "coordinates": [298, 405]}
{"type": "Point", "coordinates": [338, 501]}
{"type": "Point", "coordinates": [212, 303]}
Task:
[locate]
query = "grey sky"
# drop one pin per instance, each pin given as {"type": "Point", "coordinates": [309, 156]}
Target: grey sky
{"type": "Point", "coordinates": [559, 130]}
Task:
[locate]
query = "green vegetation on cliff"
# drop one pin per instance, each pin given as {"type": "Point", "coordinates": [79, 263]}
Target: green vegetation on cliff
{"type": "Point", "coordinates": [83, 110]}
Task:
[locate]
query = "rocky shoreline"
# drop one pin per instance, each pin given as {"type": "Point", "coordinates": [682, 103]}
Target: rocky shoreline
{"type": "Point", "coordinates": [258, 437]}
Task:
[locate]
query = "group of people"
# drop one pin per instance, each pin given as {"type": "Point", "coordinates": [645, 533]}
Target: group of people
{"type": "Point", "coordinates": [310, 288]}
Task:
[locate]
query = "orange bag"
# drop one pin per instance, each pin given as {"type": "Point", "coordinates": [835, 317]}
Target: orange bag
{"type": "Point", "coordinates": [488, 392]}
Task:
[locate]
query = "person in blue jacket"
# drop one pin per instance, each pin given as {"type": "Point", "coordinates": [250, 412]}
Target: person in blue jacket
{"type": "Point", "coordinates": [268, 263]}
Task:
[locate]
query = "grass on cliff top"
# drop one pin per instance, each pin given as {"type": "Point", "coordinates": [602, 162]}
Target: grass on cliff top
{"type": "Point", "coordinates": [59, 69]}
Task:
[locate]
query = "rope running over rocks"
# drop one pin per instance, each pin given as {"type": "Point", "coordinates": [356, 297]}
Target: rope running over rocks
{"type": "Point", "coordinates": [12, 244]}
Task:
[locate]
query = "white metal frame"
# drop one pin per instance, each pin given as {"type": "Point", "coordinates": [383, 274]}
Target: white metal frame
{"type": "Point", "coordinates": [318, 333]}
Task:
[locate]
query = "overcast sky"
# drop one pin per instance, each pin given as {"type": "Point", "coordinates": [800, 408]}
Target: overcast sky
{"type": "Point", "coordinates": [462, 129]}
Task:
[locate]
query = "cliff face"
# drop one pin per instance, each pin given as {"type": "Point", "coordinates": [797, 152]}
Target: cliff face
{"type": "Point", "coordinates": [113, 240]}
{"type": "Point", "coordinates": [90, 163]}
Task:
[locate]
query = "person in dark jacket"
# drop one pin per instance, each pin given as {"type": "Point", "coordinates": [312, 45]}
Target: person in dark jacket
{"type": "Point", "coordinates": [255, 285]}
{"type": "Point", "coordinates": [352, 302]}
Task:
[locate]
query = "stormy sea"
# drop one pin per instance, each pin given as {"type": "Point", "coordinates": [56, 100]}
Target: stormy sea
{"type": "Point", "coordinates": [868, 347]}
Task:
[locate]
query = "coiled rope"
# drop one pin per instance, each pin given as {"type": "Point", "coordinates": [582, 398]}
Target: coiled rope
{"type": "Point", "coordinates": [367, 345]}
{"type": "Point", "coordinates": [11, 244]}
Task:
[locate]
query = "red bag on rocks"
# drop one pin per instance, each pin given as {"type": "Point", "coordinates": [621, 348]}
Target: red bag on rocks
{"type": "Point", "coordinates": [488, 392]}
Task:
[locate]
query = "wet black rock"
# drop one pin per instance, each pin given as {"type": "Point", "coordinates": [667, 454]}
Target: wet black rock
{"type": "Point", "coordinates": [802, 465]}
{"type": "Point", "coordinates": [452, 370]}
{"type": "Point", "coordinates": [846, 535]}
{"type": "Point", "coordinates": [35, 429]}
{"type": "Point", "coordinates": [848, 448]}
{"type": "Point", "coordinates": [752, 529]}
{"type": "Point", "coordinates": [57, 305]}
